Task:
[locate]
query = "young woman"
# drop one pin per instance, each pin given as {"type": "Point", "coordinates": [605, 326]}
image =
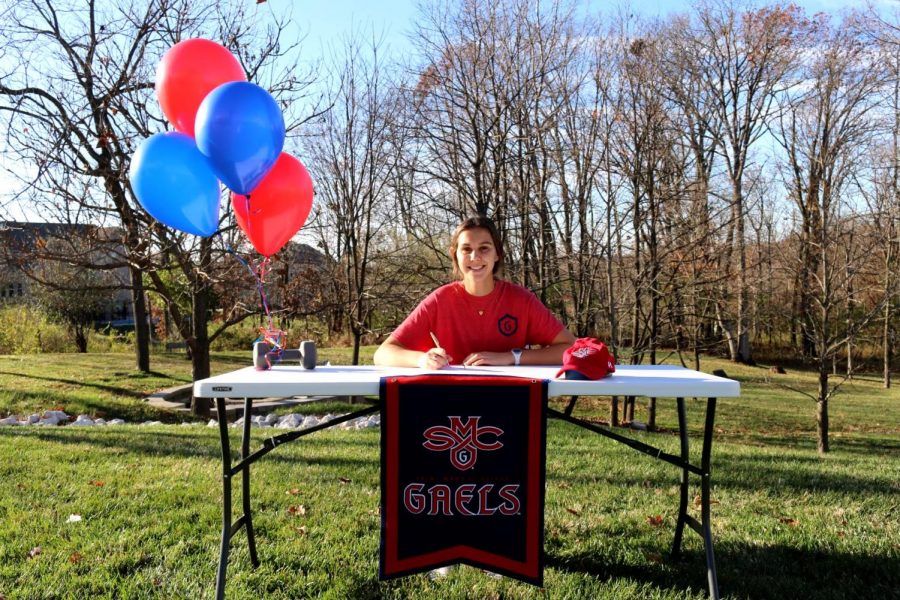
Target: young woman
{"type": "Point", "coordinates": [479, 320]}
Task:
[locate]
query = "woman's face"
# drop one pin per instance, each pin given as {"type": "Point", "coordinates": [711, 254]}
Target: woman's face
{"type": "Point", "coordinates": [476, 255]}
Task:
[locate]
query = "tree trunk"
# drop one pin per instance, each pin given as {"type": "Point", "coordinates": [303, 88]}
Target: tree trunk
{"type": "Point", "coordinates": [199, 347]}
{"type": "Point", "coordinates": [80, 338]}
{"type": "Point", "coordinates": [199, 341]}
{"type": "Point", "coordinates": [743, 326]}
{"type": "Point", "coordinates": [629, 409]}
{"type": "Point", "coordinates": [654, 311]}
{"type": "Point", "coordinates": [849, 306]}
{"type": "Point", "coordinates": [357, 335]}
{"type": "Point", "coordinates": [893, 245]}
{"type": "Point", "coordinates": [822, 408]}
{"type": "Point", "coordinates": [886, 345]}
{"type": "Point", "coordinates": [727, 327]}
{"type": "Point", "coordinates": [141, 323]}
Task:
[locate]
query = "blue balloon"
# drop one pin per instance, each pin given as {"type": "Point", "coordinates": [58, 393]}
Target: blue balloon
{"type": "Point", "coordinates": [175, 184]}
{"type": "Point", "coordinates": [240, 129]}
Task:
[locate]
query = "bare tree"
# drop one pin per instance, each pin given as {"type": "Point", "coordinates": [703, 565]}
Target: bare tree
{"type": "Point", "coordinates": [885, 199]}
{"type": "Point", "coordinates": [486, 104]}
{"type": "Point", "coordinates": [77, 99]}
{"type": "Point", "coordinates": [354, 155]}
{"type": "Point", "coordinates": [582, 126]}
{"type": "Point", "coordinates": [750, 53]}
{"type": "Point", "coordinates": [698, 121]}
{"type": "Point", "coordinates": [824, 130]}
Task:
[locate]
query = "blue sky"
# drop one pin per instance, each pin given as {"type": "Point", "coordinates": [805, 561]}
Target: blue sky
{"type": "Point", "coordinates": [327, 21]}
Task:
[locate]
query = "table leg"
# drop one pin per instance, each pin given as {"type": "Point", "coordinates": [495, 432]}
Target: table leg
{"type": "Point", "coordinates": [704, 498]}
{"type": "Point", "coordinates": [226, 498]}
{"type": "Point", "coordinates": [571, 406]}
{"type": "Point", "coordinates": [685, 481]}
{"type": "Point", "coordinates": [245, 484]}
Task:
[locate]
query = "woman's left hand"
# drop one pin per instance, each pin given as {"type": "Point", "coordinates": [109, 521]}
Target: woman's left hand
{"type": "Point", "coordinates": [477, 359]}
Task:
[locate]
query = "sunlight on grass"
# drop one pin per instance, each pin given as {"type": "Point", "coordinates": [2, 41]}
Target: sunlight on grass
{"type": "Point", "coordinates": [787, 522]}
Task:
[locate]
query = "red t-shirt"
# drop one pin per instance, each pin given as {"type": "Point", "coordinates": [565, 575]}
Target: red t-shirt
{"type": "Point", "coordinates": [511, 316]}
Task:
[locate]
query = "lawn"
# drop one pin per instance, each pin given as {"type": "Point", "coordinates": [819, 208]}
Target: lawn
{"type": "Point", "coordinates": [786, 522]}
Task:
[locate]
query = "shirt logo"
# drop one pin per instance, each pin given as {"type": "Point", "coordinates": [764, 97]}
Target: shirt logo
{"type": "Point", "coordinates": [462, 440]}
{"type": "Point", "coordinates": [508, 325]}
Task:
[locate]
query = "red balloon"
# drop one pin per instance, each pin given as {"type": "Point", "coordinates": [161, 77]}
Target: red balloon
{"type": "Point", "coordinates": [277, 208]}
{"type": "Point", "coordinates": [187, 73]}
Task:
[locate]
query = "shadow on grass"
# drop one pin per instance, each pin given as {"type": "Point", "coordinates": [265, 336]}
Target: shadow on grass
{"type": "Point", "coordinates": [744, 571]}
{"type": "Point", "coordinates": [800, 469]}
{"type": "Point", "coordinates": [768, 474]}
{"type": "Point", "coordinates": [370, 589]}
{"type": "Point", "coordinates": [839, 442]}
{"type": "Point", "coordinates": [750, 473]}
{"type": "Point", "coordinates": [25, 403]}
{"type": "Point", "coordinates": [189, 444]}
{"type": "Point", "coordinates": [106, 388]}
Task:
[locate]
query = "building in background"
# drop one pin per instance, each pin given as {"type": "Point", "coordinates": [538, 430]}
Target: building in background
{"type": "Point", "coordinates": [82, 259]}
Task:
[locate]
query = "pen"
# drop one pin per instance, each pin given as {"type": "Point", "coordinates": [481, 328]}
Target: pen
{"type": "Point", "coordinates": [437, 344]}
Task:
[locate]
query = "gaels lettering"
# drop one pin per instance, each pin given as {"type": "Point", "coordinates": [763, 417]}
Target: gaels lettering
{"type": "Point", "coordinates": [441, 499]}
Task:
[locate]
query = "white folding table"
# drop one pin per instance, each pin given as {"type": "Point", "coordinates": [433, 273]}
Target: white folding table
{"type": "Point", "coordinates": [660, 381]}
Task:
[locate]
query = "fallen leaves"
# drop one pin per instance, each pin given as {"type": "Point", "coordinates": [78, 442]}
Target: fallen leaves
{"type": "Point", "coordinates": [299, 509]}
{"type": "Point", "coordinates": [293, 492]}
{"type": "Point", "coordinates": [301, 530]}
{"type": "Point", "coordinates": [653, 557]}
{"type": "Point", "coordinates": [789, 521]}
{"type": "Point", "coordinates": [34, 552]}
{"type": "Point", "coordinates": [655, 520]}
{"type": "Point", "coordinates": [698, 501]}
{"type": "Point", "coordinates": [75, 558]}
{"type": "Point", "coordinates": [573, 511]}
{"type": "Point", "coordinates": [96, 483]}
{"type": "Point", "coordinates": [345, 479]}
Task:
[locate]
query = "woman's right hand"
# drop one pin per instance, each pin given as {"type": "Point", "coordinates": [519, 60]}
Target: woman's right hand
{"type": "Point", "coordinates": [435, 359]}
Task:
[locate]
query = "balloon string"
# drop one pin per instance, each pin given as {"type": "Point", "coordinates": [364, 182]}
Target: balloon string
{"type": "Point", "coordinates": [247, 208]}
{"type": "Point", "coordinates": [276, 339]}
{"type": "Point", "coordinates": [261, 272]}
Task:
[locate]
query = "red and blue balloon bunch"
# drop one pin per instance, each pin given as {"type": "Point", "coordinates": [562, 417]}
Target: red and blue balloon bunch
{"type": "Point", "coordinates": [226, 129]}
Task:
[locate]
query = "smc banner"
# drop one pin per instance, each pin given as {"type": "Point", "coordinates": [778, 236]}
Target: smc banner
{"type": "Point", "coordinates": [462, 474]}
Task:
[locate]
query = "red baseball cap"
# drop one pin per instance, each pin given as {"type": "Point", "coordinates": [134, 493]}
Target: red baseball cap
{"type": "Point", "coordinates": [587, 358]}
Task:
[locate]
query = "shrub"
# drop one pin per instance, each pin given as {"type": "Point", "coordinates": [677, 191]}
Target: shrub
{"type": "Point", "coordinates": [28, 329]}
{"type": "Point", "coordinates": [242, 335]}
{"type": "Point", "coordinates": [110, 341]}
{"type": "Point", "coordinates": [25, 329]}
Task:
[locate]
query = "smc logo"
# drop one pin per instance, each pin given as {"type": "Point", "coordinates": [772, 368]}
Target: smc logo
{"type": "Point", "coordinates": [463, 440]}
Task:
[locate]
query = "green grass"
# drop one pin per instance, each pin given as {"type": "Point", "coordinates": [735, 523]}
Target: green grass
{"type": "Point", "coordinates": [786, 522]}
{"type": "Point", "coordinates": [108, 385]}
